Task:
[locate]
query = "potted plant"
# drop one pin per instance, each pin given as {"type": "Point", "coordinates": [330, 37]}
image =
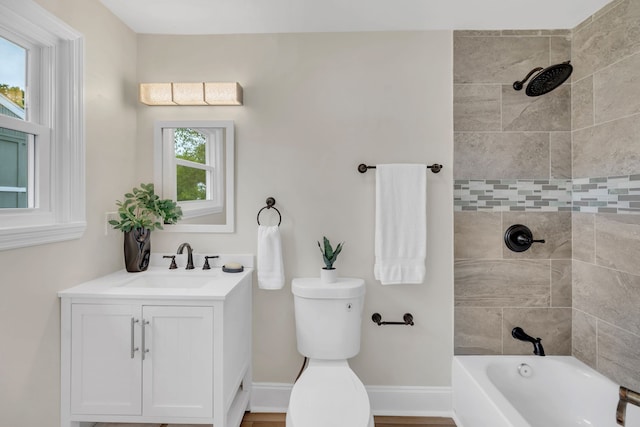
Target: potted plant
{"type": "Point", "coordinates": [328, 273]}
{"type": "Point", "coordinates": [141, 212]}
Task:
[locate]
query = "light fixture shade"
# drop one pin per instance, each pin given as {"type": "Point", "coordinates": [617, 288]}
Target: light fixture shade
{"type": "Point", "coordinates": [223, 93]}
{"type": "Point", "coordinates": [188, 93]}
{"type": "Point", "coordinates": [210, 93]}
{"type": "Point", "coordinates": [156, 94]}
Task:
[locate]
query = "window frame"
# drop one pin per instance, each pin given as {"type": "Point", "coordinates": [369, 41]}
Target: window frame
{"type": "Point", "coordinates": [55, 108]}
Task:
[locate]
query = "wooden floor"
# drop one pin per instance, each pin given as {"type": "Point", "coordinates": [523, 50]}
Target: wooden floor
{"type": "Point", "coordinates": [277, 420]}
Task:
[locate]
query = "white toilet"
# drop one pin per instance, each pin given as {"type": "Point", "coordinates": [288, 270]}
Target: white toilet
{"type": "Point", "coordinates": [328, 321]}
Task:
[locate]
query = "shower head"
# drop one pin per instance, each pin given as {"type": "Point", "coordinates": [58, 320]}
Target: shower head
{"type": "Point", "coordinates": [546, 80]}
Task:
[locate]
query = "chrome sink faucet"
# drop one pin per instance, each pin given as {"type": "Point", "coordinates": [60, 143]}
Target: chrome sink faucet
{"type": "Point", "coordinates": [189, 255]}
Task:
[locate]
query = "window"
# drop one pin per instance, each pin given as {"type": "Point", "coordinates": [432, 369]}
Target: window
{"type": "Point", "coordinates": [195, 169]}
{"type": "Point", "coordinates": [41, 127]}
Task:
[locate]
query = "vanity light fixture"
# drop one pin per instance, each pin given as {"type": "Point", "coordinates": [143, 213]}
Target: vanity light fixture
{"type": "Point", "coordinates": [201, 93]}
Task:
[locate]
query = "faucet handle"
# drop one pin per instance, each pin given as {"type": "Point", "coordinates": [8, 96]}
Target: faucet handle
{"type": "Point", "coordinates": [206, 265]}
{"type": "Point", "coordinates": [173, 265]}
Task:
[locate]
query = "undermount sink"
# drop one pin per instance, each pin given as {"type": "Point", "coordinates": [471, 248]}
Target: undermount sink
{"type": "Point", "coordinates": [170, 281]}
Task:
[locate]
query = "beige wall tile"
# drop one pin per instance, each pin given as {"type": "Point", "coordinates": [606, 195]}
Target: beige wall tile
{"type": "Point", "coordinates": [583, 338]}
{"type": "Point", "coordinates": [502, 283]}
{"type": "Point", "coordinates": [582, 103]}
{"type": "Point", "coordinates": [619, 355]}
{"type": "Point", "coordinates": [553, 325]}
{"type": "Point", "coordinates": [477, 235]}
{"type": "Point", "coordinates": [497, 59]}
{"type": "Point", "coordinates": [560, 49]}
{"type": "Point", "coordinates": [476, 107]}
{"type": "Point", "coordinates": [608, 149]}
{"type": "Point", "coordinates": [561, 283]}
{"type": "Point", "coordinates": [610, 37]}
{"type": "Point", "coordinates": [560, 154]}
{"type": "Point", "coordinates": [584, 238]}
{"type": "Point", "coordinates": [550, 112]}
{"type": "Point", "coordinates": [618, 242]}
{"type": "Point", "coordinates": [610, 295]}
{"type": "Point", "coordinates": [501, 155]}
{"type": "Point", "coordinates": [478, 330]}
{"type": "Point", "coordinates": [616, 90]}
{"type": "Point", "coordinates": [553, 227]}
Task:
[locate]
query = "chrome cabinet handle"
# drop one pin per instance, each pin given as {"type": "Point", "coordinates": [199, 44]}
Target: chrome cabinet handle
{"type": "Point", "coordinates": [133, 334]}
{"type": "Point", "coordinates": [144, 349]}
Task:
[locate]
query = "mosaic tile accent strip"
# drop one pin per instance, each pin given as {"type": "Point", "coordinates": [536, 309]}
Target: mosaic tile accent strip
{"type": "Point", "coordinates": [538, 195]}
{"type": "Point", "coordinates": [613, 194]}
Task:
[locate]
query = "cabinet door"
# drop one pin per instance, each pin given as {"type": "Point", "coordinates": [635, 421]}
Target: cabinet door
{"type": "Point", "coordinates": [105, 370]}
{"type": "Point", "coordinates": [178, 361]}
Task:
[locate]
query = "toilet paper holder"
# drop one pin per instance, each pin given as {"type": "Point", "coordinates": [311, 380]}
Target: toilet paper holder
{"type": "Point", "coordinates": [407, 320]}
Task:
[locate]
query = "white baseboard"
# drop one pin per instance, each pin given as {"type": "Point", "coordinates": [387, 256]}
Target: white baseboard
{"type": "Point", "coordinates": [385, 400]}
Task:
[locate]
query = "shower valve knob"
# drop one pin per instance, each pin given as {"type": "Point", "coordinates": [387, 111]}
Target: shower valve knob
{"type": "Point", "coordinates": [519, 238]}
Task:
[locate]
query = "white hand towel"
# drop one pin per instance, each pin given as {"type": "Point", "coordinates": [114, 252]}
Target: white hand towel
{"type": "Point", "coordinates": [401, 223]}
{"type": "Point", "coordinates": [270, 265]}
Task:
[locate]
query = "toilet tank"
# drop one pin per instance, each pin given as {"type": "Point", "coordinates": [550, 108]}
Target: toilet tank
{"type": "Point", "coordinates": [328, 317]}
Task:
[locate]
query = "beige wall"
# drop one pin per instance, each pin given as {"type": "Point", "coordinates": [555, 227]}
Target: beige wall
{"type": "Point", "coordinates": [606, 276]}
{"type": "Point", "coordinates": [317, 105]}
{"type": "Point", "coordinates": [508, 142]}
{"type": "Point", "coordinates": [30, 277]}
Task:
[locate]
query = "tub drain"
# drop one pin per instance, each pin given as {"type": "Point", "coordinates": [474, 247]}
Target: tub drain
{"type": "Point", "coordinates": [525, 370]}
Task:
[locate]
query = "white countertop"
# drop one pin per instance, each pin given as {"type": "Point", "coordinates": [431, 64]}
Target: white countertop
{"type": "Point", "coordinates": [211, 284]}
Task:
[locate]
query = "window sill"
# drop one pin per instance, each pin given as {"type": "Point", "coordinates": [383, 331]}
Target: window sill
{"type": "Point", "coordinates": [19, 237]}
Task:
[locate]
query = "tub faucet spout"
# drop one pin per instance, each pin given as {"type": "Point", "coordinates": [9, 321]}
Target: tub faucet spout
{"type": "Point", "coordinates": [519, 334]}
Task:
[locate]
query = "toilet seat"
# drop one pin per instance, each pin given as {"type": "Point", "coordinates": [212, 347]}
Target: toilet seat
{"type": "Point", "coordinates": [329, 393]}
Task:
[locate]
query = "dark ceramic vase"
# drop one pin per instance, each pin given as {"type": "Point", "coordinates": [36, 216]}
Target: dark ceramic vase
{"type": "Point", "coordinates": [137, 249]}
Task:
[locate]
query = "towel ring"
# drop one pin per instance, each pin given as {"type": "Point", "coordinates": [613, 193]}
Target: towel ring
{"type": "Point", "coordinates": [270, 204]}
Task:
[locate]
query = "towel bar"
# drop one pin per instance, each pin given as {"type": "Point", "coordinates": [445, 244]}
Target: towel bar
{"type": "Point", "coordinates": [407, 320]}
{"type": "Point", "coordinates": [435, 168]}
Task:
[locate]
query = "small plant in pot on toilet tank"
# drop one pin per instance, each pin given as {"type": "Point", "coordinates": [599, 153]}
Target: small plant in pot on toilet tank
{"type": "Point", "coordinates": [328, 273]}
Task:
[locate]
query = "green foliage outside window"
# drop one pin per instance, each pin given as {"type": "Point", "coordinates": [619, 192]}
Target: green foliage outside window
{"type": "Point", "coordinates": [190, 144]}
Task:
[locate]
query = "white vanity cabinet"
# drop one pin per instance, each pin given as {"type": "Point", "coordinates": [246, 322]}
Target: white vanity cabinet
{"type": "Point", "coordinates": [142, 360]}
{"type": "Point", "coordinates": [156, 355]}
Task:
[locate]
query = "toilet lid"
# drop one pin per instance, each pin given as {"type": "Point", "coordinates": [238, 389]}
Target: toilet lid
{"type": "Point", "coordinates": [325, 396]}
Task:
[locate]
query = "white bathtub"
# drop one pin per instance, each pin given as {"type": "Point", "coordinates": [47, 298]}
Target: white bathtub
{"type": "Point", "coordinates": [551, 391]}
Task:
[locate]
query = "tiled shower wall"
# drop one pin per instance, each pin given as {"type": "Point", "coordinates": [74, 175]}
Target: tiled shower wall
{"type": "Point", "coordinates": [512, 166]}
{"type": "Point", "coordinates": [606, 153]}
{"type": "Point", "coordinates": [514, 159]}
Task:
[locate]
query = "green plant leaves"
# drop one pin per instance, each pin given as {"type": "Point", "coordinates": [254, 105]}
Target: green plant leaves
{"type": "Point", "coordinates": [142, 208]}
{"type": "Point", "coordinates": [329, 255]}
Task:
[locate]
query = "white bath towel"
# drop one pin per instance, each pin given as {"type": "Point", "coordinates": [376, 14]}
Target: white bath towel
{"type": "Point", "coordinates": [401, 223]}
{"type": "Point", "coordinates": [270, 266]}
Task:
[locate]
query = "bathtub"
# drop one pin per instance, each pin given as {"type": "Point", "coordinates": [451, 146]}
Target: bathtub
{"type": "Point", "coordinates": [533, 391]}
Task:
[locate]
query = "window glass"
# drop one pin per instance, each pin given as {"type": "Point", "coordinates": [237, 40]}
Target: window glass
{"type": "Point", "coordinates": [13, 72]}
{"type": "Point", "coordinates": [191, 144]}
{"type": "Point", "coordinates": [191, 183]}
{"type": "Point", "coordinates": [195, 165]}
{"type": "Point", "coordinates": [15, 168]}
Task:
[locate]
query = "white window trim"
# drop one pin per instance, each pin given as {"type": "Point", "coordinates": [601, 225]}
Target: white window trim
{"type": "Point", "coordinates": [63, 216]}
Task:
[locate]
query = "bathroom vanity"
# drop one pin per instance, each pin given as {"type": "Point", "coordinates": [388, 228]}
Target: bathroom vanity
{"type": "Point", "coordinates": [160, 346]}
